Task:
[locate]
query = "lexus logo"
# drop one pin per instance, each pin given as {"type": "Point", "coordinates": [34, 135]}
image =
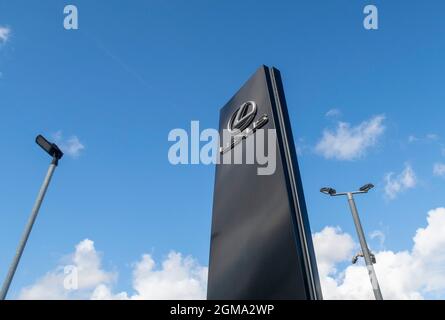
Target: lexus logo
{"type": "Point", "coordinates": [239, 123]}
{"type": "Point", "coordinates": [242, 118]}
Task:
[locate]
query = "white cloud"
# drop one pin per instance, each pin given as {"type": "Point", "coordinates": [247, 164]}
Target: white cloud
{"type": "Point", "coordinates": [4, 34]}
{"type": "Point", "coordinates": [71, 146]}
{"type": "Point", "coordinates": [327, 256]}
{"type": "Point", "coordinates": [418, 273]}
{"type": "Point", "coordinates": [379, 235]}
{"type": "Point", "coordinates": [402, 182]}
{"type": "Point", "coordinates": [178, 277]}
{"type": "Point", "coordinates": [415, 274]}
{"type": "Point", "coordinates": [86, 260]}
{"type": "Point", "coordinates": [427, 138]}
{"type": "Point", "coordinates": [333, 113]}
{"type": "Point", "coordinates": [350, 143]}
{"type": "Point", "coordinates": [432, 136]}
{"type": "Point", "coordinates": [439, 169]}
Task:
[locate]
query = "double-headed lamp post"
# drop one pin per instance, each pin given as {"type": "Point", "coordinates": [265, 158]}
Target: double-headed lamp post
{"type": "Point", "coordinates": [56, 154]}
{"type": "Point", "coordinates": [369, 257]}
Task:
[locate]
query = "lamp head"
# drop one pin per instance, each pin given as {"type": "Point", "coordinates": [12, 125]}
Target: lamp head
{"type": "Point", "coordinates": [367, 187]}
{"type": "Point", "coordinates": [51, 148]}
{"type": "Point", "coordinates": [328, 191]}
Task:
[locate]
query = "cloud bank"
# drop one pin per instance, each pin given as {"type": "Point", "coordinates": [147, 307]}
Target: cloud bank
{"type": "Point", "coordinates": [417, 273]}
{"type": "Point", "coordinates": [84, 277]}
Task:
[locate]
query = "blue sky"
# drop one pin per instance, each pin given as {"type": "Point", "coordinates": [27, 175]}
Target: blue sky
{"type": "Point", "coordinates": [132, 73]}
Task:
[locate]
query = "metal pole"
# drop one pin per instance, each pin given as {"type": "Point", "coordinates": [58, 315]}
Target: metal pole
{"type": "Point", "coordinates": [365, 249]}
{"type": "Point", "coordinates": [27, 231]}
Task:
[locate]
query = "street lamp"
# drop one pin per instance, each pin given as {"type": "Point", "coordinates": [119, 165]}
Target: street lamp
{"type": "Point", "coordinates": [367, 187]}
{"type": "Point", "coordinates": [53, 150]}
{"type": "Point", "coordinates": [328, 191]}
{"type": "Point", "coordinates": [369, 257]}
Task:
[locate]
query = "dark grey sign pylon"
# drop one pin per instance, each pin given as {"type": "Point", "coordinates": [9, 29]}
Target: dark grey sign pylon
{"type": "Point", "coordinates": [261, 244]}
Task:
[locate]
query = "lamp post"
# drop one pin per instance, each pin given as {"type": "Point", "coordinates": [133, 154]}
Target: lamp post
{"type": "Point", "coordinates": [56, 154]}
{"type": "Point", "coordinates": [369, 257]}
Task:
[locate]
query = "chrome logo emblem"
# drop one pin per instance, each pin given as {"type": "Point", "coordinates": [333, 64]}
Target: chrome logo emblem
{"type": "Point", "coordinates": [239, 123]}
{"type": "Point", "coordinates": [242, 118]}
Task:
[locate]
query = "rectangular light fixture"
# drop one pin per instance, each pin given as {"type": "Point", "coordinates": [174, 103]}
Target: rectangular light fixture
{"type": "Point", "coordinates": [51, 148]}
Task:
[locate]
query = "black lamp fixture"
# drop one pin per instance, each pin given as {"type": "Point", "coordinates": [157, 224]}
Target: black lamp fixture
{"type": "Point", "coordinates": [51, 148]}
